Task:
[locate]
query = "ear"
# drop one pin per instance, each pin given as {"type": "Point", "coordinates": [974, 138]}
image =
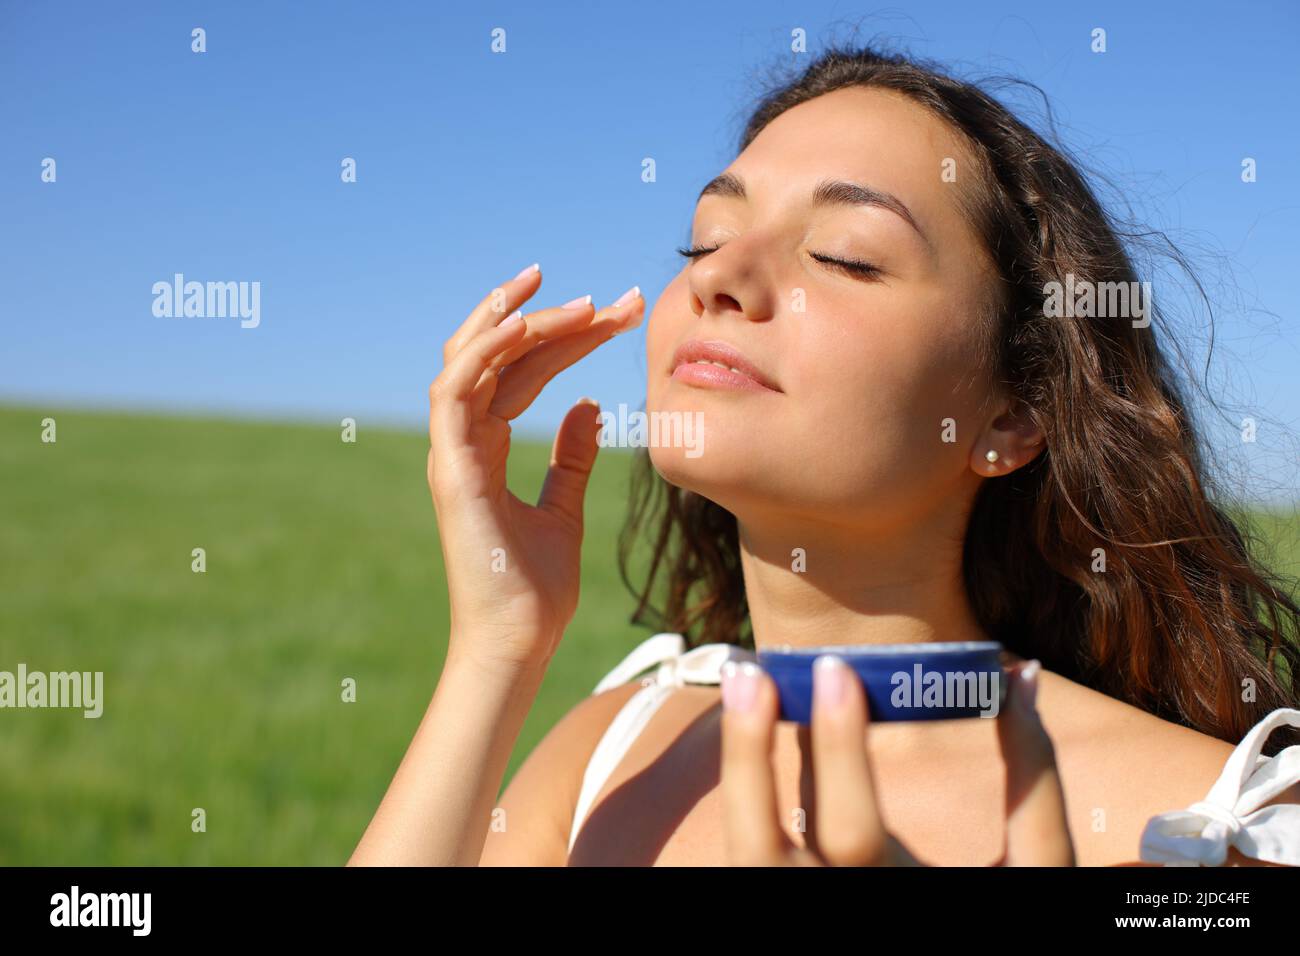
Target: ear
{"type": "Point", "coordinates": [1014, 438]}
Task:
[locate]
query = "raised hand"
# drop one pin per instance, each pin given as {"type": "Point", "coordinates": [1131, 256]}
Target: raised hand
{"type": "Point", "coordinates": [512, 567]}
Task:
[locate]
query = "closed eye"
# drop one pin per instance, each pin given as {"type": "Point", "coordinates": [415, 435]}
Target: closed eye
{"type": "Point", "coordinates": [694, 252]}
{"type": "Point", "coordinates": [856, 267]}
{"type": "Point", "coordinates": [852, 266]}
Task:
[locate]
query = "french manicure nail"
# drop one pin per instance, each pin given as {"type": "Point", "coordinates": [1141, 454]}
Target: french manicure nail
{"type": "Point", "coordinates": [628, 296]}
{"type": "Point", "coordinates": [528, 269]}
{"type": "Point", "coordinates": [830, 681]}
{"type": "Point", "coordinates": [514, 316]}
{"type": "Point", "coordinates": [740, 685]}
{"type": "Point", "coordinates": [578, 303]}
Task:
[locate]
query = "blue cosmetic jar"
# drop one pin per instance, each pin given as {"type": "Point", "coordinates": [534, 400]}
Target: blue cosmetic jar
{"type": "Point", "coordinates": [939, 681]}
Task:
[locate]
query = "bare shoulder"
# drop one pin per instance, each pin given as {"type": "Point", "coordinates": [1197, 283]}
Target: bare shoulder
{"type": "Point", "coordinates": [1112, 733]}
{"type": "Point", "coordinates": [1112, 745]}
{"type": "Point", "coordinates": [536, 810]}
{"type": "Point", "coordinates": [1120, 765]}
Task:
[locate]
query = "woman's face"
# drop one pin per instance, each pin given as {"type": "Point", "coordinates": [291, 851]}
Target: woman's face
{"type": "Point", "coordinates": [862, 369]}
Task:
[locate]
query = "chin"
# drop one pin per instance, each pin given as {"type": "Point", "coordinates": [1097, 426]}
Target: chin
{"type": "Point", "coordinates": [732, 456]}
{"type": "Point", "coordinates": [727, 469]}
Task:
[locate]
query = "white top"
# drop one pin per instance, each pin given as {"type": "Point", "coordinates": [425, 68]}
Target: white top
{"type": "Point", "coordinates": [1231, 815]}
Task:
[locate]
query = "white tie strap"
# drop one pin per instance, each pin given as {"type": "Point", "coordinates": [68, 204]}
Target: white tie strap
{"type": "Point", "coordinates": [1233, 813]}
{"type": "Point", "coordinates": [676, 666]}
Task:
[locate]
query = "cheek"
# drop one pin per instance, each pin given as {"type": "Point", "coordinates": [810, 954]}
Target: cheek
{"type": "Point", "coordinates": [911, 361]}
{"type": "Point", "coordinates": [872, 399]}
{"type": "Point", "coordinates": [664, 329]}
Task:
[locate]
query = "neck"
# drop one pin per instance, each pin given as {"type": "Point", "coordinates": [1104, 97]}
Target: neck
{"type": "Point", "coordinates": [890, 586]}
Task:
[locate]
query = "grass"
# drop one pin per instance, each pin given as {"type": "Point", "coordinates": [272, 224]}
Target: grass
{"type": "Point", "coordinates": [223, 689]}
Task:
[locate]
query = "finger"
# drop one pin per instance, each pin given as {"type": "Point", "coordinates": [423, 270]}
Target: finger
{"type": "Point", "coordinates": [484, 392]}
{"type": "Point", "coordinates": [524, 380]}
{"type": "Point", "coordinates": [449, 411]}
{"type": "Point", "coordinates": [751, 820]}
{"type": "Point", "coordinates": [546, 324]}
{"type": "Point", "coordinates": [1038, 832]}
{"type": "Point", "coordinates": [572, 455]}
{"type": "Point", "coordinates": [493, 308]}
{"type": "Point", "coordinates": [541, 328]}
{"type": "Point", "coordinates": [847, 822]}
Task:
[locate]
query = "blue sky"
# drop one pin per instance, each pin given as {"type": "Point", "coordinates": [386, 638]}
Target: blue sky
{"type": "Point", "coordinates": [470, 165]}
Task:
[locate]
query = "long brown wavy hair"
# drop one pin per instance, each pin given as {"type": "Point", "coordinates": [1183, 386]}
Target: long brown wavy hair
{"type": "Point", "coordinates": [1183, 622]}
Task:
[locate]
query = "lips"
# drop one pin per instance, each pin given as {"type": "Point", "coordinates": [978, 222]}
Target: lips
{"type": "Point", "coordinates": [718, 365]}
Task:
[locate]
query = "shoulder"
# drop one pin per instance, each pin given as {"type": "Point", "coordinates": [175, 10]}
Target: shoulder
{"type": "Point", "coordinates": [1093, 721]}
{"type": "Point", "coordinates": [538, 803]}
{"type": "Point", "coordinates": [1119, 741]}
{"type": "Point", "coordinates": [1121, 765]}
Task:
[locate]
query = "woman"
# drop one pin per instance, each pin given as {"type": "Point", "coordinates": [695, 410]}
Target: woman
{"type": "Point", "coordinates": [906, 440]}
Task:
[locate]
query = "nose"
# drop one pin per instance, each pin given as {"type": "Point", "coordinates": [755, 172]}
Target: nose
{"type": "Point", "coordinates": [731, 282]}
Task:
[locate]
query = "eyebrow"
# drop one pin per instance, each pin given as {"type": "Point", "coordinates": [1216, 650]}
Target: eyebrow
{"type": "Point", "coordinates": [828, 192]}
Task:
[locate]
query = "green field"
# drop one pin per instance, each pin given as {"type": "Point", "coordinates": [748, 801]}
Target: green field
{"type": "Point", "coordinates": [223, 689]}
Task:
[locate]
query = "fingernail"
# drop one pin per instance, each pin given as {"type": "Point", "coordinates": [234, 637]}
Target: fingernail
{"type": "Point", "coordinates": [740, 685]}
{"type": "Point", "coordinates": [529, 269]}
{"type": "Point", "coordinates": [588, 401]}
{"type": "Point", "coordinates": [628, 296]}
{"type": "Point", "coordinates": [514, 316]}
{"type": "Point", "coordinates": [830, 682]}
{"type": "Point", "coordinates": [1029, 681]}
{"type": "Point", "coordinates": [578, 303]}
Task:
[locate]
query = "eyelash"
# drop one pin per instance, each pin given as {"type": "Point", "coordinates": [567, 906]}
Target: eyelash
{"type": "Point", "coordinates": [853, 266]}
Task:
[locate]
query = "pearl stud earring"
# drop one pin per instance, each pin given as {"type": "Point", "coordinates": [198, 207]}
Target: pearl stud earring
{"type": "Point", "coordinates": [991, 456]}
